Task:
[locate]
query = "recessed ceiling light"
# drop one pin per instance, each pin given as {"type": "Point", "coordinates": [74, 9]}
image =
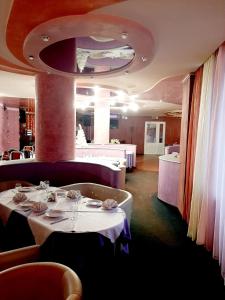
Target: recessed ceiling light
{"type": "Point", "coordinates": [31, 57]}
{"type": "Point", "coordinates": [124, 35]}
{"type": "Point", "coordinates": [45, 38]}
{"type": "Point", "coordinates": [143, 58]}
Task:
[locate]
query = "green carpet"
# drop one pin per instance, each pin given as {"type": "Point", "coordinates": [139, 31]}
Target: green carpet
{"type": "Point", "coordinates": [162, 258]}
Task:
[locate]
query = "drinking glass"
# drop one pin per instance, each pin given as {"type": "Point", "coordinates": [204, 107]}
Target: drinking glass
{"type": "Point", "coordinates": [18, 186]}
{"type": "Point", "coordinates": [47, 183]}
{"type": "Point", "coordinates": [60, 195]}
{"type": "Point", "coordinates": [75, 209]}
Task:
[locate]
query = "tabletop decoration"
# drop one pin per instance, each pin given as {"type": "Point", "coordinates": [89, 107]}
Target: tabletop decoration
{"type": "Point", "coordinates": [39, 207]}
{"type": "Point", "coordinates": [19, 197]}
{"type": "Point", "coordinates": [109, 204]}
{"type": "Point", "coordinates": [52, 197]}
{"type": "Point", "coordinates": [74, 194]}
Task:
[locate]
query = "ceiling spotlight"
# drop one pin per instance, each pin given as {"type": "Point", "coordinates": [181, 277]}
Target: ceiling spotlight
{"type": "Point", "coordinates": [124, 35]}
{"type": "Point", "coordinates": [45, 38]}
{"type": "Point", "coordinates": [31, 57]}
{"type": "Point", "coordinates": [143, 58]}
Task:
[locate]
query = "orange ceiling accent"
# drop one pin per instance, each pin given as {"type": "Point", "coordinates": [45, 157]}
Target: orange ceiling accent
{"type": "Point", "coordinates": [27, 14]}
{"type": "Point", "coordinates": [4, 64]}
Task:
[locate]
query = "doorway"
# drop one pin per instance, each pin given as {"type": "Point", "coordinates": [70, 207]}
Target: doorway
{"type": "Point", "coordinates": [154, 138]}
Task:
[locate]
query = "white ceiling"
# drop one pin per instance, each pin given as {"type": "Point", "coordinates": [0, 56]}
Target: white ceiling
{"type": "Point", "coordinates": [185, 33]}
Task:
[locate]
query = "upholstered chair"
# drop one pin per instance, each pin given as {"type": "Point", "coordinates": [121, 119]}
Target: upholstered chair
{"type": "Point", "coordinates": [40, 281]}
{"type": "Point", "coordinates": [22, 276]}
{"type": "Point", "coordinates": [16, 155]}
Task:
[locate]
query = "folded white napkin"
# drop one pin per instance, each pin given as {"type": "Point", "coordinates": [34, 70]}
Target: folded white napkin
{"type": "Point", "coordinates": [42, 185]}
{"type": "Point", "coordinates": [19, 197]}
{"type": "Point", "coordinates": [109, 204]}
{"type": "Point", "coordinates": [52, 197]}
{"type": "Point", "coordinates": [74, 194]}
{"type": "Point", "coordinates": [39, 207]}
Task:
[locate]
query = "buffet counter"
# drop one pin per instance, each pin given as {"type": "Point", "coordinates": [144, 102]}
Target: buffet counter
{"type": "Point", "coordinates": [169, 168]}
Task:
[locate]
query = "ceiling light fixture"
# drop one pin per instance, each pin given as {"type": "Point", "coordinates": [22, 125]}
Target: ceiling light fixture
{"type": "Point", "coordinates": [31, 57]}
{"type": "Point", "coordinates": [45, 38]}
{"type": "Point", "coordinates": [143, 58]}
{"type": "Point", "coordinates": [124, 35]}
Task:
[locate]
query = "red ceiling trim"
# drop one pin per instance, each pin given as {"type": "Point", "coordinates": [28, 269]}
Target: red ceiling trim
{"type": "Point", "coordinates": [27, 14]}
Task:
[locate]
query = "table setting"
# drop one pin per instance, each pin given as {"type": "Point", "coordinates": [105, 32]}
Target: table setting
{"type": "Point", "coordinates": [60, 210]}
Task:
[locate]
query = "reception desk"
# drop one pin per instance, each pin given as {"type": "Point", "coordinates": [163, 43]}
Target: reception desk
{"type": "Point", "coordinates": [169, 168]}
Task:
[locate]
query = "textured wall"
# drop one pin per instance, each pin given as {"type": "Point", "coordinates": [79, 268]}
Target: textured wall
{"type": "Point", "coordinates": [9, 128]}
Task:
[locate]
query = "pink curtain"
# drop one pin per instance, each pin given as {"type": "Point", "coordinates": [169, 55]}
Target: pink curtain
{"type": "Point", "coordinates": [211, 229]}
{"type": "Point", "coordinates": [210, 217]}
{"type": "Point", "coordinates": [191, 142]}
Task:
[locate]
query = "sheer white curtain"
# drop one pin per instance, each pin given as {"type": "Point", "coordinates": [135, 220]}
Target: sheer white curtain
{"type": "Point", "coordinates": [201, 156]}
{"type": "Point", "coordinates": [207, 218]}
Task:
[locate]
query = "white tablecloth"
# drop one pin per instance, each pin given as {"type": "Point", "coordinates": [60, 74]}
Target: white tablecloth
{"type": "Point", "coordinates": [109, 223]}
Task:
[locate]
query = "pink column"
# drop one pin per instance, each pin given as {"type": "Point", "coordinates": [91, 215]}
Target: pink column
{"type": "Point", "coordinates": [101, 113]}
{"type": "Point", "coordinates": [101, 119]}
{"type": "Point", "coordinates": [55, 118]}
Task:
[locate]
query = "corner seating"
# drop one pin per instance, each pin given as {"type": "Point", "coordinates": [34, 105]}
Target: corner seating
{"type": "Point", "coordinates": [61, 172]}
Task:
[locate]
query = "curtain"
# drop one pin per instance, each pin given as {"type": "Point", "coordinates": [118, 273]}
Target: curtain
{"type": "Point", "coordinates": [211, 230]}
{"type": "Point", "coordinates": [191, 142]}
{"type": "Point", "coordinates": [202, 143]}
{"type": "Point", "coordinates": [207, 213]}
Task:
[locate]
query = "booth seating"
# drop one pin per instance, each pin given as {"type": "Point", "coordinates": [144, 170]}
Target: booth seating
{"type": "Point", "coordinates": [102, 192]}
{"type": "Point", "coordinates": [61, 172]}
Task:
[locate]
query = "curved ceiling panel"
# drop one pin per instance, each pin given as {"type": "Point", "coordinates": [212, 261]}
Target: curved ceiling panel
{"type": "Point", "coordinates": [60, 29]}
{"type": "Point", "coordinates": [25, 15]}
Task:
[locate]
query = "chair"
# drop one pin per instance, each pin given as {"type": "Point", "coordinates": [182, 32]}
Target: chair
{"type": "Point", "coordinates": [29, 148]}
{"type": "Point", "coordinates": [5, 155]}
{"type": "Point", "coordinates": [28, 153]}
{"type": "Point", "coordinates": [10, 184]}
{"type": "Point", "coordinates": [39, 281]}
{"type": "Point", "coordinates": [16, 155]}
{"type": "Point", "coordinates": [103, 192]}
{"type": "Point", "coordinates": [36, 280]}
{"type": "Point", "coordinates": [11, 258]}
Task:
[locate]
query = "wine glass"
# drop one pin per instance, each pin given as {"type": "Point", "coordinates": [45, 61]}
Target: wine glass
{"type": "Point", "coordinates": [75, 209]}
{"type": "Point", "coordinates": [47, 184]}
{"type": "Point", "coordinates": [18, 186]}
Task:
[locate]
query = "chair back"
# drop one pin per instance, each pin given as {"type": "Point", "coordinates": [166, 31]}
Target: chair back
{"type": "Point", "coordinates": [29, 148]}
{"type": "Point", "coordinates": [5, 155]}
{"type": "Point", "coordinates": [28, 153]}
{"type": "Point", "coordinates": [16, 155]}
{"type": "Point", "coordinates": [40, 280]}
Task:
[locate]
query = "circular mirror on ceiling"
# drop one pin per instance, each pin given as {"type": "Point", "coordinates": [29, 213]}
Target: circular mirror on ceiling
{"type": "Point", "coordinates": [87, 55]}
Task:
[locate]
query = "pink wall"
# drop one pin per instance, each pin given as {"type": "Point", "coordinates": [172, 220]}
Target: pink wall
{"type": "Point", "coordinates": [9, 128]}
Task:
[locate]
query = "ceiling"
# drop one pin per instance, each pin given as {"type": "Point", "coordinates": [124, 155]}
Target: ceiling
{"type": "Point", "coordinates": [170, 40]}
